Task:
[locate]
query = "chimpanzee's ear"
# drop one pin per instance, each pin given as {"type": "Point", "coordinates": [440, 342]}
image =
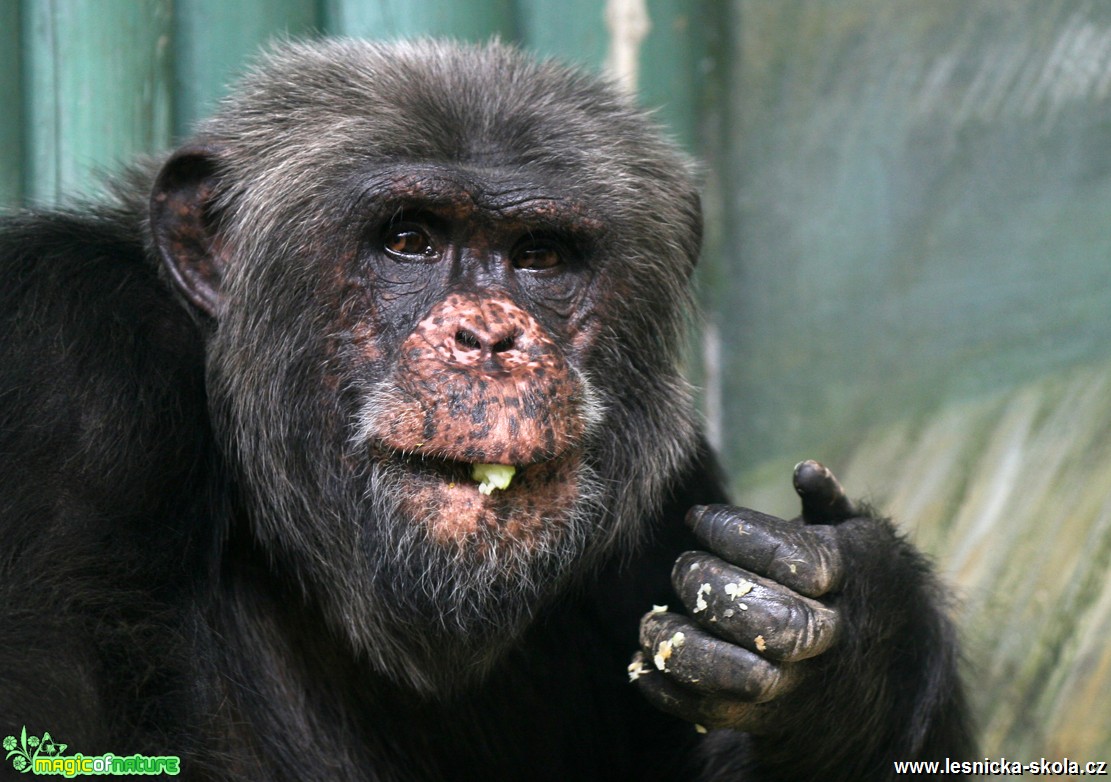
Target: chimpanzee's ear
{"type": "Point", "coordinates": [185, 228]}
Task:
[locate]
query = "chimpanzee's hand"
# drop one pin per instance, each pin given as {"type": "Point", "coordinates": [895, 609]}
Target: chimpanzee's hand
{"type": "Point", "coordinates": [755, 609]}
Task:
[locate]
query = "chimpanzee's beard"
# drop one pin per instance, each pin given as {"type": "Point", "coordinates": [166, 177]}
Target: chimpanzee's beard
{"type": "Point", "coordinates": [426, 595]}
{"type": "Point", "coordinates": [436, 614]}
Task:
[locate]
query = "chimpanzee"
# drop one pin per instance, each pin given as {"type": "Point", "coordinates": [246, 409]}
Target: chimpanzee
{"type": "Point", "coordinates": [348, 442]}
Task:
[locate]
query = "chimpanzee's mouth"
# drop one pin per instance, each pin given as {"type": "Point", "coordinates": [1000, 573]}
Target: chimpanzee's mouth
{"type": "Point", "coordinates": [448, 495]}
{"type": "Point", "coordinates": [487, 478]}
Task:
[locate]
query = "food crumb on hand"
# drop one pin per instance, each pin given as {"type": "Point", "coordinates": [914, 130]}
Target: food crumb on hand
{"type": "Point", "coordinates": [637, 669]}
{"type": "Point", "coordinates": [700, 602]}
{"type": "Point", "coordinates": [740, 589]}
{"type": "Point", "coordinates": [666, 647]}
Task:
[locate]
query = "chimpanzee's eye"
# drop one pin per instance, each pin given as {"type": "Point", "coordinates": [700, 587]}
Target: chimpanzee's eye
{"type": "Point", "coordinates": [538, 255]}
{"type": "Point", "coordinates": [409, 243]}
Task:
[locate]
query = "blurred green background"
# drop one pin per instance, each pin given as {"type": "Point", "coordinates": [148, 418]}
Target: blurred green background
{"type": "Point", "coordinates": [906, 272]}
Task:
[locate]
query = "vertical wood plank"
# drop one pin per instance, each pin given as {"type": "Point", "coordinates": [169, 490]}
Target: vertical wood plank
{"type": "Point", "coordinates": [99, 87]}
{"type": "Point", "coordinates": [214, 38]}
{"type": "Point", "coordinates": [476, 20]}
{"type": "Point", "coordinates": [674, 61]}
{"type": "Point", "coordinates": [573, 31]}
{"type": "Point", "coordinates": [11, 119]}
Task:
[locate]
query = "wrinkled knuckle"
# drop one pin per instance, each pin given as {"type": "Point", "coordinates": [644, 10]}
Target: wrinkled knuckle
{"type": "Point", "coordinates": [810, 576]}
{"type": "Point", "coordinates": [787, 677]}
{"type": "Point", "coordinates": [758, 684]}
{"type": "Point", "coordinates": [780, 632]}
{"type": "Point", "coordinates": [828, 629]}
{"type": "Point", "coordinates": [811, 630]}
{"type": "Point", "coordinates": [827, 552]}
{"type": "Point", "coordinates": [809, 562]}
{"type": "Point", "coordinates": [791, 559]}
{"type": "Point", "coordinates": [761, 681]}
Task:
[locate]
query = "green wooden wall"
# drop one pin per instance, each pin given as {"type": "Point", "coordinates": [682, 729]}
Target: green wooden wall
{"type": "Point", "coordinates": [89, 84]}
{"type": "Point", "coordinates": [906, 271]}
{"type": "Point", "coordinates": [915, 286]}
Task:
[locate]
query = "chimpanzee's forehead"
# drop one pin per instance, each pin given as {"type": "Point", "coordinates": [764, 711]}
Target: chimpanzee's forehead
{"type": "Point", "coordinates": [432, 100]}
{"type": "Point", "coordinates": [442, 125]}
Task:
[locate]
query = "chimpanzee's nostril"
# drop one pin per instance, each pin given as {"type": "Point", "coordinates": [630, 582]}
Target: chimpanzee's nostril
{"type": "Point", "coordinates": [467, 339]}
{"type": "Point", "coordinates": [480, 340]}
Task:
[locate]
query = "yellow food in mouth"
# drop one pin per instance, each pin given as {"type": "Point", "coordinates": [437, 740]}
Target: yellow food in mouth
{"type": "Point", "coordinates": [492, 476]}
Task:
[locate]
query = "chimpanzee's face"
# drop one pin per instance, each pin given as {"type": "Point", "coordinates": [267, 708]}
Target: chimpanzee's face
{"type": "Point", "coordinates": [444, 326]}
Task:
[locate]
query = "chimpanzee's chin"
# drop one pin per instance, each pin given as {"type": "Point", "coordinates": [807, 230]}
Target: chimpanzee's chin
{"type": "Point", "coordinates": [476, 596]}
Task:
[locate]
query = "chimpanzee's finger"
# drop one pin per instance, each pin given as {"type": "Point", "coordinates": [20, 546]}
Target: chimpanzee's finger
{"type": "Point", "coordinates": [804, 558]}
{"type": "Point", "coordinates": [704, 663]}
{"type": "Point", "coordinates": [706, 711]}
{"type": "Point", "coordinates": [823, 499]}
{"type": "Point", "coordinates": [755, 612]}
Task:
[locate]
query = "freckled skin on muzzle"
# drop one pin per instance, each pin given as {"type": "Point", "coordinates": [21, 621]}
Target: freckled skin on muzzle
{"type": "Point", "coordinates": [480, 381]}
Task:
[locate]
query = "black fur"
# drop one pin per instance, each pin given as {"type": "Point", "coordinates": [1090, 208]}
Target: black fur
{"type": "Point", "coordinates": [190, 564]}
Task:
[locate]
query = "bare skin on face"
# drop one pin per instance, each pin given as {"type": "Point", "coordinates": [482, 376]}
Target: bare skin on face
{"type": "Point", "coordinates": [456, 511]}
{"type": "Point", "coordinates": [480, 381]}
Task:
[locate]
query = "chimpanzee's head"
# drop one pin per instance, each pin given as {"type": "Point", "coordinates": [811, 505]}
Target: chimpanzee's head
{"type": "Point", "coordinates": [444, 289]}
